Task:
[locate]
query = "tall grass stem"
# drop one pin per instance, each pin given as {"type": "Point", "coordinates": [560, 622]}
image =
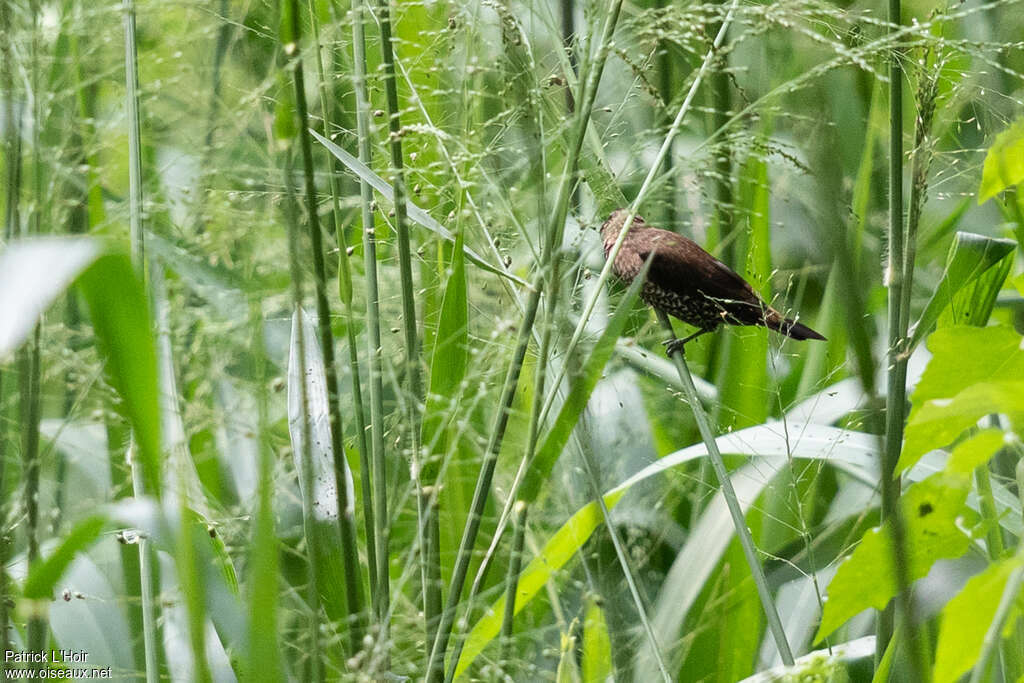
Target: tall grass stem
{"type": "Point", "coordinates": [771, 613]}
{"type": "Point", "coordinates": [346, 524]}
{"type": "Point", "coordinates": [138, 255]}
{"type": "Point", "coordinates": [379, 575]}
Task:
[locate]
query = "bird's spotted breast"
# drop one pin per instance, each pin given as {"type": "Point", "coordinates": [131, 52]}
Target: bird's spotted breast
{"type": "Point", "coordinates": [699, 311]}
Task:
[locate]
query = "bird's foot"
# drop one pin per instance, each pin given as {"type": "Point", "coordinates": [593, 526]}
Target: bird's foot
{"type": "Point", "coordinates": [677, 345]}
{"type": "Point", "coordinates": [673, 346]}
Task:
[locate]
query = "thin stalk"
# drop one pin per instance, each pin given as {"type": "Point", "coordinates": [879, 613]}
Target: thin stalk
{"type": "Point", "coordinates": [994, 634]}
{"type": "Point", "coordinates": [138, 254]}
{"type": "Point", "coordinates": [31, 404]}
{"type": "Point", "coordinates": [306, 457]}
{"type": "Point", "coordinates": [379, 575]}
{"type": "Point", "coordinates": [346, 524]}
{"type": "Point", "coordinates": [739, 522]}
{"type": "Point", "coordinates": [512, 580]}
{"type": "Point", "coordinates": [989, 512]}
{"type": "Point", "coordinates": [429, 525]}
{"type": "Point", "coordinates": [345, 293]}
{"type": "Point", "coordinates": [721, 103]}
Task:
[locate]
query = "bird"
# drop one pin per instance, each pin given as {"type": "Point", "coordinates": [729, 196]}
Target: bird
{"type": "Point", "coordinates": [690, 284]}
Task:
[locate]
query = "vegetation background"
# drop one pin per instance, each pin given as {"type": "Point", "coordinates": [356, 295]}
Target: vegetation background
{"type": "Point", "coordinates": [199, 483]}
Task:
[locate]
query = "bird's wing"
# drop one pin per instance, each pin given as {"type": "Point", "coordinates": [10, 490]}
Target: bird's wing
{"type": "Point", "coordinates": [680, 264]}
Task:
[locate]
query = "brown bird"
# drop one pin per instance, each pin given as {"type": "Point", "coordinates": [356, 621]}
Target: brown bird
{"type": "Point", "coordinates": [689, 283]}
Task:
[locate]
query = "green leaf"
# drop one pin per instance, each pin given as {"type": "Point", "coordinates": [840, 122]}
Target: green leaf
{"type": "Point", "coordinates": [579, 394]}
{"type": "Point", "coordinates": [970, 256]}
{"type": "Point", "coordinates": [868, 579]}
{"type": "Point", "coordinates": [326, 545]}
{"type": "Point", "coordinates": [44, 575]}
{"type": "Point", "coordinates": [597, 646]}
{"type": "Point", "coordinates": [966, 619]}
{"type": "Point", "coordinates": [1004, 163]}
{"type": "Point", "coordinates": [416, 213]}
{"type": "Point", "coordinates": [33, 273]}
{"type": "Point", "coordinates": [974, 452]}
{"type": "Point", "coordinates": [448, 364]}
{"type": "Point", "coordinates": [973, 371]}
{"type": "Point", "coordinates": [940, 421]}
{"type": "Point", "coordinates": [119, 311]}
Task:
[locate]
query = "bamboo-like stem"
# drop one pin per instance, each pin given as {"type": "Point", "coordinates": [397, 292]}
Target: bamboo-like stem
{"type": "Point", "coordinates": [31, 403]}
{"type": "Point", "coordinates": [306, 456]}
{"type": "Point", "coordinates": [379, 576]}
{"type": "Point", "coordinates": [428, 524]}
{"type": "Point", "coordinates": [345, 293]}
{"type": "Point", "coordinates": [899, 272]}
{"type": "Point", "coordinates": [138, 254]}
{"type": "Point", "coordinates": [739, 522]}
{"type": "Point", "coordinates": [346, 524]}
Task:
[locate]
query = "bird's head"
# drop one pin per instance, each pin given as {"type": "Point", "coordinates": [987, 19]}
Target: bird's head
{"type": "Point", "coordinates": [613, 226]}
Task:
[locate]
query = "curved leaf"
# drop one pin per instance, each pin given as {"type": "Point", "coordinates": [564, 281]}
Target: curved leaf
{"type": "Point", "coordinates": [970, 256]}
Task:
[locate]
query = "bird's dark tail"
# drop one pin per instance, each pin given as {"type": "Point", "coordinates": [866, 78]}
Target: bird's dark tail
{"type": "Point", "coordinates": [775, 321]}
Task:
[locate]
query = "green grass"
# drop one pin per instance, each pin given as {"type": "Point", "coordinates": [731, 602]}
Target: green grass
{"type": "Point", "coordinates": [468, 458]}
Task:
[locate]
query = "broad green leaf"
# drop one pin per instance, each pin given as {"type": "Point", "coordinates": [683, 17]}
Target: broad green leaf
{"type": "Point", "coordinates": [966, 619]}
{"type": "Point", "coordinates": [965, 356]}
{"type": "Point", "coordinates": [559, 549]}
{"type": "Point", "coordinates": [579, 394]}
{"type": "Point", "coordinates": [45, 575]}
{"type": "Point", "coordinates": [974, 452]}
{"type": "Point", "coordinates": [597, 646]}
{"type": "Point", "coordinates": [1004, 163]}
{"type": "Point", "coordinates": [969, 257]}
{"type": "Point", "coordinates": [33, 273]}
{"type": "Point", "coordinates": [867, 578]}
{"type": "Point", "coordinates": [940, 421]}
{"type": "Point", "coordinates": [119, 311]}
{"type": "Point", "coordinates": [416, 213]}
{"type": "Point", "coordinates": [973, 371]}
